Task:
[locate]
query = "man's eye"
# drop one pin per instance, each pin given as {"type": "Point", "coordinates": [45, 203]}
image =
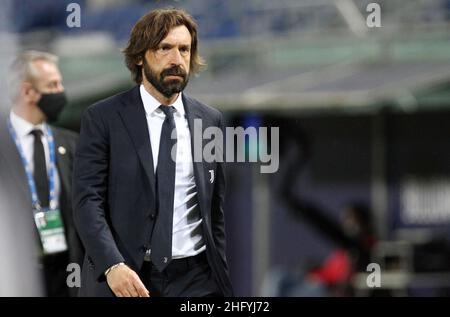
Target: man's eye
{"type": "Point", "coordinates": [184, 50]}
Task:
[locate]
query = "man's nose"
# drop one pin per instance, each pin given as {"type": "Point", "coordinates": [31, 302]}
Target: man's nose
{"type": "Point", "coordinates": [60, 88]}
{"type": "Point", "coordinates": [175, 57]}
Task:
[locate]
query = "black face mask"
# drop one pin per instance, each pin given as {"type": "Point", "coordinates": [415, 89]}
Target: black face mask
{"type": "Point", "coordinates": [52, 105]}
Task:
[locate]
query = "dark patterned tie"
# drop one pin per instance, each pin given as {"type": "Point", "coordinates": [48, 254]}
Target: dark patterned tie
{"type": "Point", "coordinates": [161, 244]}
{"type": "Point", "coordinates": [40, 169]}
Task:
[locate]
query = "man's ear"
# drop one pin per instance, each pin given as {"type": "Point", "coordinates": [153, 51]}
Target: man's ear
{"type": "Point", "coordinates": [28, 91]}
{"type": "Point", "coordinates": [141, 59]}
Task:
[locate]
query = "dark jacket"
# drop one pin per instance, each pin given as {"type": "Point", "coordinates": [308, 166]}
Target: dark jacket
{"type": "Point", "coordinates": [114, 189]}
{"type": "Point", "coordinates": [12, 167]}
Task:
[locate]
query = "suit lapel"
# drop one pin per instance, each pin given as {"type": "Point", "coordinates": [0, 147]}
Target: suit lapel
{"type": "Point", "coordinates": [193, 111]}
{"type": "Point", "coordinates": [62, 162]}
{"type": "Point", "coordinates": [134, 119]}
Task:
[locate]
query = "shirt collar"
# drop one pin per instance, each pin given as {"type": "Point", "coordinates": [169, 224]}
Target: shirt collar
{"type": "Point", "coordinates": [23, 127]}
{"type": "Point", "coordinates": [151, 104]}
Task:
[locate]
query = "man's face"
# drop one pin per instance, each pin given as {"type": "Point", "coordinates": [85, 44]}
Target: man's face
{"type": "Point", "coordinates": [47, 78]}
{"type": "Point", "coordinates": [167, 67]}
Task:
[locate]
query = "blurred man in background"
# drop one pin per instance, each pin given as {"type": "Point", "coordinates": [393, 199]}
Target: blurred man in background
{"type": "Point", "coordinates": [152, 224]}
{"type": "Point", "coordinates": [39, 160]}
{"type": "Point", "coordinates": [19, 272]}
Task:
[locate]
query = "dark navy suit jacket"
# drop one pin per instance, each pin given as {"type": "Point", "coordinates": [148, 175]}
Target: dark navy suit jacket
{"type": "Point", "coordinates": [114, 189]}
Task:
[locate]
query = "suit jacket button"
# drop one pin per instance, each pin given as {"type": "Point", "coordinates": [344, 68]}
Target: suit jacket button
{"type": "Point", "coordinates": [152, 216]}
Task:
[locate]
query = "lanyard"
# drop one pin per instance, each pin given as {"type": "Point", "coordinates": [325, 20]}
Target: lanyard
{"type": "Point", "coordinates": [28, 171]}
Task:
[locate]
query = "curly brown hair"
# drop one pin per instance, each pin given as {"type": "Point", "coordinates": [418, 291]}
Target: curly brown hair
{"type": "Point", "coordinates": [150, 30]}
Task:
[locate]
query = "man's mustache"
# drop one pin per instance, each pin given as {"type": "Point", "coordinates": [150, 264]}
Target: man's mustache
{"type": "Point", "coordinates": [173, 71]}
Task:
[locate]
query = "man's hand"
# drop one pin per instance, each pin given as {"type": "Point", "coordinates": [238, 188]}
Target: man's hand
{"type": "Point", "coordinates": [124, 282]}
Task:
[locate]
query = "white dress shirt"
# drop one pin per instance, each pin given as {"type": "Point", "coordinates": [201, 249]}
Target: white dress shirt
{"type": "Point", "coordinates": [187, 237]}
{"type": "Point", "coordinates": [26, 140]}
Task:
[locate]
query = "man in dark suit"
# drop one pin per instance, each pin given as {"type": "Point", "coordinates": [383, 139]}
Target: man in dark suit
{"type": "Point", "coordinates": [151, 219]}
{"type": "Point", "coordinates": [39, 160]}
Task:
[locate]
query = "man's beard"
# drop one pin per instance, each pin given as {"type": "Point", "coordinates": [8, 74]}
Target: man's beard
{"type": "Point", "coordinates": [167, 88]}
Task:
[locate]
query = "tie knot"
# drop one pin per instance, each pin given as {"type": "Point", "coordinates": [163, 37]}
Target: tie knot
{"type": "Point", "coordinates": [37, 133]}
{"type": "Point", "coordinates": [168, 110]}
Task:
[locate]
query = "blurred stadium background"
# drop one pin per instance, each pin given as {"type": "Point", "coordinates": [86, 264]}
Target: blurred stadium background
{"type": "Point", "coordinates": [364, 117]}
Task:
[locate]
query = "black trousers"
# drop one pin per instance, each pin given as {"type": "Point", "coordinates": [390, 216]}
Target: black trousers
{"type": "Point", "coordinates": [55, 274]}
{"type": "Point", "coordinates": [187, 277]}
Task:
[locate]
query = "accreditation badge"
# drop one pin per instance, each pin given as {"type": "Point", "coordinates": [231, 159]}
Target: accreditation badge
{"type": "Point", "coordinates": [51, 231]}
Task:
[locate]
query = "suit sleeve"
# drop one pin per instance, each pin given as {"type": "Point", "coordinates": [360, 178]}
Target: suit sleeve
{"type": "Point", "coordinates": [90, 190]}
{"type": "Point", "coordinates": [217, 211]}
